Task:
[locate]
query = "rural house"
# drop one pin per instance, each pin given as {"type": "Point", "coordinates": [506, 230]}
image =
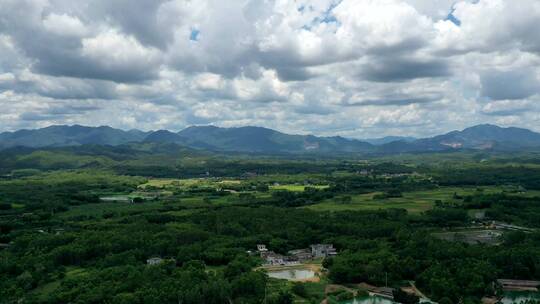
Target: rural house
{"type": "Point", "coordinates": [300, 255]}
{"type": "Point", "coordinates": [518, 285]}
{"type": "Point", "coordinates": [322, 250]}
{"type": "Point", "coordinates": [154, 261]}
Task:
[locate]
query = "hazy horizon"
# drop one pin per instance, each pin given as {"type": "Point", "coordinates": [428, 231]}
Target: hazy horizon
{"type": "Point", "coordinates": [354, 68]}
{"type": "Point", "coordinates": [275, 129]}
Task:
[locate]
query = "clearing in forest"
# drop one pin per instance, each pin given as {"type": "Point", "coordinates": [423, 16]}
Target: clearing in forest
{"type": "Point", "coordinates": [413, 202]}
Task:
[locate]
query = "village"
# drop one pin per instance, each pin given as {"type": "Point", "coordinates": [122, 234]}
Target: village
{"type": "Point", "coordinates": [295, 257]}
{"type": "Point", "coordinates": [297, 266]}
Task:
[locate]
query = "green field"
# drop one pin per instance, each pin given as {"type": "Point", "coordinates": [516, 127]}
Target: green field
{"type": "Point", "coordinates": [296, 188]}
{"type": "Point", "coordinates": [188, 183]}
{"type": "Point", "coordinates": [165, 182]}
{"type": "Point", "coordinates": [102, 208]}
{"type": "Point", "coordinates": [413, 202]}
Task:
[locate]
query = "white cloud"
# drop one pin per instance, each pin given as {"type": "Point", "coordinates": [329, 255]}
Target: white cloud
{"type": "Point", "coordinates": [380, 24]}
{"type": "Point", "coordinates": [353, 67]}
{"type": "Point", "coordinates": [64, 25]}
{"type": "Point", "coordinates": [490, 26]}
{"type": "Point", "coordinates": [435, 9]}
{"type": "Point", "coordinates": [209, 81]}
{"type": "Point", "coordinates": [6, 78]}
{"type": "Point", "coordinates": [115, 50]}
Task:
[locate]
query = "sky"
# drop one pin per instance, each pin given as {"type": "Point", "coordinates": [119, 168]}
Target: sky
{"type": "Point", "coordinates": [356, 68]}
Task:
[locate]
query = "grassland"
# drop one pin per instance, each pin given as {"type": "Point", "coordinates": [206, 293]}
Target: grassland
{"type": "Point", "coordinates": [296, 188]}
{"type": "Point", "coordinates": [125, 207]}
{"type": "Point", "coordinates": [99, 209]}
{"type": "Point", "coordinates": [167, 182]}
{"type": "Point", "coordinates": [413, 202]}
{"type": "Point", "coordinates": [315, 291]}
{"type": "Point", "coordinates": [162, 183]}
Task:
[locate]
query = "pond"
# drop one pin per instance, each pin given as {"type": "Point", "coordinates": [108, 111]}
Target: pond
{"type": "Point", "coordinates": [519, 296]}
{"type": "Point", "coordinates": [368, 300]}
{"type": "Point", "coordinates": [297, 274]}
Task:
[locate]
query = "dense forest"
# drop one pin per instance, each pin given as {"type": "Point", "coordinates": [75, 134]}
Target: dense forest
{"type": "Point", "coordinates": [82, 230]}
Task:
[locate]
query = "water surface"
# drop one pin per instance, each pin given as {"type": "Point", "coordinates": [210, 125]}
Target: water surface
{"type": "Point", "coordinates": [292, 274]}
{"type": "Point", "coordinates": [368, 300]}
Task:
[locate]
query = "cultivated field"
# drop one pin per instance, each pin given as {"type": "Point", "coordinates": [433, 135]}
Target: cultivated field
{"type": "Point", "coordinates": [413, 202]}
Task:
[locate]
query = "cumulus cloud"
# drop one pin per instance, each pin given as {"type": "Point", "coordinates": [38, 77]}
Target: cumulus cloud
{"type": "Point", "coordinates": [402, 69]}
{"type": "Point", "coordinates": [359, 68]}
{"type": "Point", "coordinates": [114, 56]}
{"type": "Point", "coordinates": [64, 25]}
{"type": "Point", "coordinates": [489, 26]}
{"type": "Point", "coordinates": [513, 84]}
{"type": "Point", "coordinates": [509, 107]}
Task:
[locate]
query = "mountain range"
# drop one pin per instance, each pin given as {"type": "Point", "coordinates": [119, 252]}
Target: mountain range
{"type": "Point", "coordinates": [263, 140]}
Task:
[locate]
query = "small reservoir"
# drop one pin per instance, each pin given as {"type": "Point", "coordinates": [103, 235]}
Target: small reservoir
{"type": "Point", "coordinates": [368, 300]}
{"type": "Point", "coordinates": [293, 274]}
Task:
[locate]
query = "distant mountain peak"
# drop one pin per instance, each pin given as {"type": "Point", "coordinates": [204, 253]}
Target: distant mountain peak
{"type": "Point", "coordinates": [68, 135]}
{"type": "Point", "coordinates": [389, 139]}
{"type": "Point", "coordinates": [478, 137]}
{"type": "Point", "coordinates": [253, 139]}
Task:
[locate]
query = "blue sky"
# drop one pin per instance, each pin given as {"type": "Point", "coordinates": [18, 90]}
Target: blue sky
{"type": "Point", "coordinates": [357, 68]}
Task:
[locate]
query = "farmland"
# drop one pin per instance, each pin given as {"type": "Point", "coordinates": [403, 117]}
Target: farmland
{"type": "Point", "coordinates": [413, 202]}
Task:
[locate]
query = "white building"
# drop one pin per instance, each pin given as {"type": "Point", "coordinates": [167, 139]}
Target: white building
{"type": "Point", "coordinates": [154, 261]}
{"type": "Point", "coordinates": [323, 250]}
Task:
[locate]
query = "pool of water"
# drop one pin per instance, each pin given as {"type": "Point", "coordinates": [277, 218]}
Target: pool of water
{"type": "Point", "coordinates": [292, 274]}
{"type": "Point", "coordinates": [519, 296]}
{"type": "Point", "coordinates": [368, 300]}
